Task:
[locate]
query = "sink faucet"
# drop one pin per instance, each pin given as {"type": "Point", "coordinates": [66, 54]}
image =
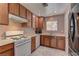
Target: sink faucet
{"type": "Point", "coordinates": [4, 35]}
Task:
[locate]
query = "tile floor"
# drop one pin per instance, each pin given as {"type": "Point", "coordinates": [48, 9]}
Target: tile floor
{"type": "Point", "coordinates": [45, 51]}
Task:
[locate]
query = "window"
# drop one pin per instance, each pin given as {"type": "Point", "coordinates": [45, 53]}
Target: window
{"type": "Point", "coordinates": [51, 25]}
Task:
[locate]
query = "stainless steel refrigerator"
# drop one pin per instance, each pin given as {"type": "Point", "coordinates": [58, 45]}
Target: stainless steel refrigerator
{"type": "Point", "coordinates": [74, 31]}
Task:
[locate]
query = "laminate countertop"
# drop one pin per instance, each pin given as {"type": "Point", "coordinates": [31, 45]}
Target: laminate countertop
{"type": "Point", "coordinates": [8, 41]}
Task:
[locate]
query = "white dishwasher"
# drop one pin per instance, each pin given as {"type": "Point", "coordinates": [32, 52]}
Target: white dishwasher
{"type": "Point", "coordinates": [22, 47]}
{"type": "Point", "coordinates": [37, 40]}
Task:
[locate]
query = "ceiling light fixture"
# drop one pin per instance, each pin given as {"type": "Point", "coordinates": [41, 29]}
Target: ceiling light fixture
{"type": "Point", "coordinates": [54, 11]}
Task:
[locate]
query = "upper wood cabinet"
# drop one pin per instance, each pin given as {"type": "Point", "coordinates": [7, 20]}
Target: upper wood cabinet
{"type": "Point", "coordinates": [33, 44]}
{"type": "Point", "coordinates": [36, 22]}
{"type": "Point", "coordinates": [14, 8]}
{"type": "Point", "coordinates": [40, 22]}
{"type": "Point", "coordinates": [24, 25]}
{"type": "Point", "coordinates": [22, 11]}
{"type": "Point", "coordinates": [29, 15]}
{"type": "Point", "coordinates": [33, 21]}
{"type": "Point", "coordinates": [4, 13]}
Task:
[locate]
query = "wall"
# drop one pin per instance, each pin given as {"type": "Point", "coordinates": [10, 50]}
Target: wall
{"type": "Point", "coordinates": [68, 9]}
{"type": "Point", "coordinates": [60, 20]}
{"type": "Point", "coordinates": [13, 26]}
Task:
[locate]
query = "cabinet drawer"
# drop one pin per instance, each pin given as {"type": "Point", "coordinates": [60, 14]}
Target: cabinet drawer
{"type": "Point", "coordinates": [7, 53]}
{"type": "Point", "coordinates": [6, 47]}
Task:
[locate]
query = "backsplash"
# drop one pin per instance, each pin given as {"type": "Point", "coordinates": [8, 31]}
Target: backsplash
{"type": "Point", "coordinates": [13, 26]}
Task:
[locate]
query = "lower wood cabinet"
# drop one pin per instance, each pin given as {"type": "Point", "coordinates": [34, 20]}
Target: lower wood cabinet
{"type": "Point", "coordinates": [7, 53]}
{"type": "Point", "coordinates": [7, 50]}
{"type": "Point", "coordinates": [53, 41]}
{"type": "Point", "coordinates": [41, 40]}
{"type": "Point", "coordinates": [61, 43]}
{"type": "Point", "coordinates": [45, 40]}
{"type": "Point", "coordinates": [33, 44]}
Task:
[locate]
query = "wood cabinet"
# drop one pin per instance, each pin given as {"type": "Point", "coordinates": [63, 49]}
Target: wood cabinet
{"type": "Point", "coordinates": [22, 11]}
{"type": "Point", "coordinates": [53, 42]}
{"type": "Point", "coordinates": [14, 8]}
{"type": "Point", "coordinates": [24, 25]}
{"type": "Point", "coordinates": [45, 40]}
{"type": "Point", "coordinates": [33, 44]}
{"type": "Point", "coordinates": [4, 14]}
{"type": "Point", "coordinates": [29, 15]}
{"type": "Point", "coordinates": [7, 50]}
{"type": "Point", "coordinates": [41, 40]}
{"type": "Point", "coordinates": [36, 22]}
{"type": "Point", "coordinates": [33, 21]}
{"type": "Point", "coordinates": [61, 42]}
{"type": "Point", "coordinates": [40, 22]}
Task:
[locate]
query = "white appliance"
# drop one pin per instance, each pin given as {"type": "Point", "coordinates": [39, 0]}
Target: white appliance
{"type": "Point", "coordinates": [37, 40]}
{"type": "Point", "coordinates": [22, 47]}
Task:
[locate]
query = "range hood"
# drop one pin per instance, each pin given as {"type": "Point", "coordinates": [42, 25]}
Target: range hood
{"type": "Point", "coordinates": [17, 19]}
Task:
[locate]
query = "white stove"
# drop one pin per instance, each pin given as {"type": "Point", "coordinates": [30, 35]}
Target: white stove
{"type": "Point", "coordinates": [22, 45]}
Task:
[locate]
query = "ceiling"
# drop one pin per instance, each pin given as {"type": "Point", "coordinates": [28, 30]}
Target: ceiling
{"type": "Point", "coordinates": [51, 9]}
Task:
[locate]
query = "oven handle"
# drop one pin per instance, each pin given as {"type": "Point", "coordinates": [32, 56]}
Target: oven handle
{"type": "Point", "coordinates": [22, 44]}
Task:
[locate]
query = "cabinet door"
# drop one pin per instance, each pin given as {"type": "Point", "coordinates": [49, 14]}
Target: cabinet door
{"type": "Point", "coordinates": [7, 50]}
{"type": "Point", "coordinates": [53, 42]}
{"type": "Point", "coordinates": [14, 8]}
{"type": "Point", "coordinates": [4, 13]}
{"type": "Point", "coordinates": [41, 40]}
{"type": "Point", "coordinates": [7, 53]}
{"type": "Point", "coordinates": [36, 22]}
{"type": "Point", "coordinates": [24, 25]}
{"type": "Point", "coordinates": [40, 22]}
{"type": "Point", "coordinates": [22, 11]}
{"type": "Point", "coordinates": [29, 15]}
{"type": "Point", "coordinates": [47, 40]}
{"type": "Point", "coordinates": [33, 21]}
{"type": "Point", "coordinates": [33, 44]}
{"type": "Point", "coordinates": [61, 43]}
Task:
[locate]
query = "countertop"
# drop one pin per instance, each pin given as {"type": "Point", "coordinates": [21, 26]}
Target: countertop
{"type": "Point", "coordinates": [8, 41]}
{"type": "Point", "coordinates": [53, 34]}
